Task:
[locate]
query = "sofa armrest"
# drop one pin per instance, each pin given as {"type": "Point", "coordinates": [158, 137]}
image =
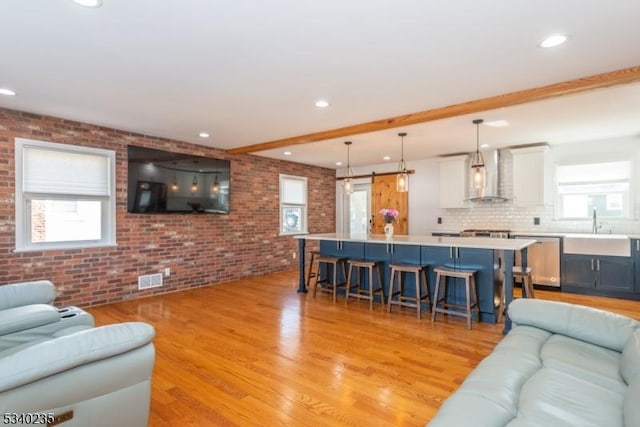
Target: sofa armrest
{"type": "Point", "coordinates": [64, 353]}
{"type": "Point", "coordinates": [27, 317]}
{"type": "Point", "coordinates": [25, 293]}
{"type": "Point", "coordinates": [588, 324]}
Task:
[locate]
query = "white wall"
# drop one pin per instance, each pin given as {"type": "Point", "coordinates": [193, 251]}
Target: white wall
{"type": "Point", "coordinates": [424, 193]}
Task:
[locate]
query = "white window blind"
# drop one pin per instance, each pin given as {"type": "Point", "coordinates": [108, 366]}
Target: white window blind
{"type": "Point", "coordinates": [65, 196]}
{"type": "Point", "coordinates": [294, 191]}
{"type": "Point", "coordinates": [594, 172]}
{"type": "Point", "coordinates": [54, 171]}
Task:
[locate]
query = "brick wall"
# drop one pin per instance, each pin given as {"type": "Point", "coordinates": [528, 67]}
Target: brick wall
{"type": "Point", "coordinates": [199, 249]}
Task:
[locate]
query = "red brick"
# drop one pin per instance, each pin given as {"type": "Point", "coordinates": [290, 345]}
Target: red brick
{"type": "Point", "coordinates": [200, 249]}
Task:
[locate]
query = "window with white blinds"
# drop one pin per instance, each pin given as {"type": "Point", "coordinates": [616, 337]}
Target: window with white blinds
{"type": "Point", "coordinates": [293, 204]}
{"type": "Point", "coordinates": [64, 196]}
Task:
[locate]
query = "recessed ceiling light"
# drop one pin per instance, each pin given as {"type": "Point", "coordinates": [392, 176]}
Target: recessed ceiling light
{"type": "Point", "coordinates": [386, 158]}
{"type": "Point", "coordinates": [287, 153]}
{"type": "Point", "coordinates": [321, 103]}
{"type": "Point", "coordinates": [204, 135]}
{"type": "Point", "coordinates": [338, 163]}
{"type": "Point", "coordinates": [7, 92]}
{"type": "Point", "coordinates": [497, 123]}
{"type": "Point", "coordinates": [484, 146]}
{"type": "Point", "coordinates": [553, 41]}
{"type": "Point", "coordinates": [89, 3]}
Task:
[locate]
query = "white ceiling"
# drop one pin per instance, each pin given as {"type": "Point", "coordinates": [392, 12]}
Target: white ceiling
{"type": "Point", "coordinates": [250, 71]}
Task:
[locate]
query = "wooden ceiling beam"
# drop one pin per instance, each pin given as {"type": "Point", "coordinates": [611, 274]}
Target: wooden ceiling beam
{"type": "Point", "coordinates": [613, 78]}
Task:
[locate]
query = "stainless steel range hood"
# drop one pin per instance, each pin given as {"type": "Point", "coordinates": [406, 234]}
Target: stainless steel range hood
{"type": "Point", "coordinates": [490, 193]}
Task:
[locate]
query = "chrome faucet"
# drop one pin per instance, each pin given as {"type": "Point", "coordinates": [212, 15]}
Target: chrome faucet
{"type": "Point", "coordinates": [594, 227]}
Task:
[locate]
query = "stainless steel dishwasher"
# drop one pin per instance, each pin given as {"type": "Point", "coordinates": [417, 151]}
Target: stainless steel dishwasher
{"type": "Point", "coordinates": [544, 259]}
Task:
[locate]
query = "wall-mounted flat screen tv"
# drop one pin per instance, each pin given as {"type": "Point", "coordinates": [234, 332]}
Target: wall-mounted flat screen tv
{"type": "Point", "coordinates": [164, 182]}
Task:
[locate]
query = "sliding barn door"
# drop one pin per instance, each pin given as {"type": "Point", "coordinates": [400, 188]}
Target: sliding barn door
{"type": "Point", "coordinates": [384, 195]}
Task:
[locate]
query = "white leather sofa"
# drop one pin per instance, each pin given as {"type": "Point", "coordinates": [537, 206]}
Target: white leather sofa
{"type": "Point", "coordinates": [28, 316]}
{"type": "Point", "coordinates": [560, 365]}
{"type": "Point", "coordinates": [98, 377]}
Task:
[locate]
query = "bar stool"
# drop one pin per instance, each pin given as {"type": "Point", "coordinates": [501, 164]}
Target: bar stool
{"type": "Point", "coordinates": [469, 276]}
{"type": "Point", "coordinates": [527, 288]}
{"type": "Point", "coordinates": [526, 279]}
{"type": "Point", "coordinates": [359, 291]}
{"type": "Point", "coordinates": [310, 272]}
{"type": "Point", "coordinates": [422, 292]}
{"type": "Point", "coordinates": [330, 285]}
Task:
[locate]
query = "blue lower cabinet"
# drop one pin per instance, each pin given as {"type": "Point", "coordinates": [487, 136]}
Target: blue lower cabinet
{"type": "Point", "coordinates": [599, 275]}
{"type": "Point", "coordinates": [405, 254]}
{"type": "Point", "coordinates": [389, 253]}
{"type": "Point", "coordinates": [482, 260]}
{"type": "Point", "coordinates": [340, 249]}
{"type": "Point", "coordinates": [380, 252]}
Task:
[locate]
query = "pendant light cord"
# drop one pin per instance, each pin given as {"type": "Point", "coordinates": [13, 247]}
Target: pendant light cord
{"type": "Point", "coordinates": [402, 167]}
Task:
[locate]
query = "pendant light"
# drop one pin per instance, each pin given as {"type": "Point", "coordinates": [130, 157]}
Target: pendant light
{"type": "Point", "coordinates": [215, 188]}
{"type": "Point", "coordinates": [194, 184]}
{"type": "Point", "coordinates": [402, 178]}
{"type": "Point", "coordinates": [174, 184]}
{"type": "Point", "coordinates": [477, 160]}
{"type": "Point", "coordinates": [348, 180]}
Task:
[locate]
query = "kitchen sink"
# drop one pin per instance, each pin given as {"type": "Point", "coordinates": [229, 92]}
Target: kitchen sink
{"type": "Point", "coordinates": [597, 244]}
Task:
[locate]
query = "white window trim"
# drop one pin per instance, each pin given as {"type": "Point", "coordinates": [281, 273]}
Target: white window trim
{"type": "Point", "coordinates": [588, 159]}
{"type": "Point", "coordinates": [304, 206]}
{"type": "Point", "coordinates": [22, 222]}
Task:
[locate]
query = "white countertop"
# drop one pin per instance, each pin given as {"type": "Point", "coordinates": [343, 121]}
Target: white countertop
{"type": "Point", "coordinates": [423, 240]}
{"type": "Point", "coordinates": [559, 234]}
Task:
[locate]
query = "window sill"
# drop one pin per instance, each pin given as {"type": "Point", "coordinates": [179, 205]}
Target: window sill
{"type": "Point", "coordinates": [65, 247]}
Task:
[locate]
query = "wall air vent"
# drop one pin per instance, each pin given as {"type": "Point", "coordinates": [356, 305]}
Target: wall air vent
{"type": "Point", "coordinates": [149, 281]}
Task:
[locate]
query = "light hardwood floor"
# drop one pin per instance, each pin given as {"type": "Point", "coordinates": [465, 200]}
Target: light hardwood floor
{"type": "Point", "coordinates": [254, 352]}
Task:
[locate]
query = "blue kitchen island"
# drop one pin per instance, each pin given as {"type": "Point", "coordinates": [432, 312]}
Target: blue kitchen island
{"type": "Point", "coordinates": [493, 258]}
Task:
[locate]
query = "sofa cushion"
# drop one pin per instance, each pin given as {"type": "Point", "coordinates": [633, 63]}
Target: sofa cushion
{"type": "Point", "coordinates": [630, 359]}
{"type": "Point", "coordinates": [554, 398]}
{"type": "Point", "coordinates": [25, 293]}
{"type": "Point", "coordinates": [27, 317]}
{"type": "Point", "coordinates": [462, 407]}
{"type": "Point", "coordinates": [583, 360]}
{"type": "Point", "coordinates": [599, 327]}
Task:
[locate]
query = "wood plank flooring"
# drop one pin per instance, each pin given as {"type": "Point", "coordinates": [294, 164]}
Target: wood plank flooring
{"type": "Point", "coordinates": [255, 353]}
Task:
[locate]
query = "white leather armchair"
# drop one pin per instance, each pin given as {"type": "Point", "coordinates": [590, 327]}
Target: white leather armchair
{"type": "Point", "coordinates": [26, 293]}
{"type": "Point", "coordinates": [97, 377]}
{"type": "Point", "coordinates": [27, 315]}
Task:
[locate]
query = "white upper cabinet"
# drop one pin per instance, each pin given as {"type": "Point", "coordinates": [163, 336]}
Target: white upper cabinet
{"type": "Point", "coordinates": [453, 181]}
{"type": "Point", "coordinates": [530, 178]}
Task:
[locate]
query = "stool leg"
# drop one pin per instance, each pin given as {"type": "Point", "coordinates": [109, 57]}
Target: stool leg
{"type": "Point", "coordinates": [370, 288]}
{"type": "Point", "coordinates": [315, 287]}
{"type": "Point", "coordinates": [348, 286]}
{"type": "Point", "coordinates": [426, 289]}
{"type": "Point", "coordinates": [467, 288]}
{"type": "Point", "coordinates": [383, 295]}
{"type": "Point", "coordinates": [391, 286]}
{"type": "Point", "coordinates": [335, 283]}
{"type": "Point", "coordinates": [476, 304]}
{"type": "Point", "coordinates": [530, 293]}
{"type": "Point", "coordinates": [383, 300]}
{"type": "Point", "coordinates": [501, 307]}
{"type": "Point", "coordinates": [309, 273]}
{"type": "Point", "coordinates": [418, 296]}
{"type": "Point", "coordinates": [436, 297]}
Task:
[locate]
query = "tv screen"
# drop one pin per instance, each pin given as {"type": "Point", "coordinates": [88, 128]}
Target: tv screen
{"type": "Point", "coordinates": [164, 182]}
